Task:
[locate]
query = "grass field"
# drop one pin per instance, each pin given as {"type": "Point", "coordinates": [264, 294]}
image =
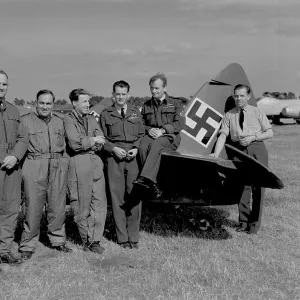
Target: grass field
{"type": "Point", "coordinates": [176, 261]}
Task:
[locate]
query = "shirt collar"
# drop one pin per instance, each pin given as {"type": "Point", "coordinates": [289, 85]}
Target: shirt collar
{"type": "Point", "coordinates": [246, 107]}
{"type": "Point", "coordinates": [119, 108]}
{"type": "Point", "coordinates": [161, 100]}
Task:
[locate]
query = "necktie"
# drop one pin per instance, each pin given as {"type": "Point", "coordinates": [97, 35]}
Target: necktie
{"type": "Point", "coordinates": [241, 118]}
{"type": "Point", "coordinates": [123, 113]}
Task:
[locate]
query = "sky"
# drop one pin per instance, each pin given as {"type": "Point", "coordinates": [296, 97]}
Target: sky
{"type": "Point", "coordinates": [66, 44]}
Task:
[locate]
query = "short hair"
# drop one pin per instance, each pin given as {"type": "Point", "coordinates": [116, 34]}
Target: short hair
{"type": "Point", "coordinates": [4, 73]}
{"type": "Point", "coordinates": [45, 92]}
{"type": "Point", "coordinates": [160, 76]}
{"type": "Point", "coordinates": [74, 94]}
{"type": "Point", "coordinates": [121, 84]}
{"type": "Point", "coordinates": [242, 86]}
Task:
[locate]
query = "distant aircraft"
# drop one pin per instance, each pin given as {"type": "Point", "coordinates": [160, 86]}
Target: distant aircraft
{"type": "Point", "coordinates": [189, 176]}
{"type": "Point", "coordinates": [96, 109]}
{"type": "Point", "coordinates": [276, 108]}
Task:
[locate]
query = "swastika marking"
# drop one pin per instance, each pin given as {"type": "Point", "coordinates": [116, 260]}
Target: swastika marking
{"type": "Point", "coordinates": [202, 122]}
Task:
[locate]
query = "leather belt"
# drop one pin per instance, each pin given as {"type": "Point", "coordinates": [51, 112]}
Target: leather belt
{"type": "Point", "coordinates": [44, 156]}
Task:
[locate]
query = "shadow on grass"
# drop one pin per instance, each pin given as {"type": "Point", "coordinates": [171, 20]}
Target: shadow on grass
{"type": "Point", "coordinates": [159, 219]}
{"type": "Point", "coordinates": [169, 220]}
{"type": "Point", "coordinates": [191, 221]}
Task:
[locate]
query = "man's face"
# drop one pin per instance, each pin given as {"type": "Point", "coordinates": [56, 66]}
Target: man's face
{"type": "Point", "coordinates": [44, 105]}
{"type": "Point", "coordinates": [83, 104]}
{"type": "Point", "coordinates": [241, 97]}
{"type": "Point", "coordinates": [157, 89]}
{"type": "Point", "coordinates": [120, 96]}
{"type": "Point", "coordinates": [3, 85]}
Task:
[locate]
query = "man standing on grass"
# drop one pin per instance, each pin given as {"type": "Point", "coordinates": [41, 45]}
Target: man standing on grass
{"type": "Point", "coordinates": [123, 128]}
{"type": "Point", "coordinates": [13, 146]}
{"type": "Point", "coordinates": [248, 127]}
{"type": "Point", "coordinates": [163, 120]}
{"type": "Point", "coordinates": [45, 173]}
{"type": "Point", "coordinates": [86, 181]}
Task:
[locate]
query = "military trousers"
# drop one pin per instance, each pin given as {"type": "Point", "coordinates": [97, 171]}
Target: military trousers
{"type": "Point", "coordinates": [150, 154]}
{"type": "Point", "coordinates": [86, 185]}
{"type": "Point", "coordinates": [251, 215]}
{"type": "Point", "coordinates": [121, 174]}
{"type": "Point", "coordinates": [45, 182]}
{"type": "Point", "coordinates": [10, 200]}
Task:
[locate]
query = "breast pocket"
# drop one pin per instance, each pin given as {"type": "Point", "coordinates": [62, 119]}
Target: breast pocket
{"type": "Point", "coordinates": [13, 124]}
{"type": "Point", "coordinates": [114, 128]}
{"type": "Point", "coordinates": [149, 117]}
{"type": "Point", "coordinates": [133, 126]}
{"type": "Point", "coordinates": [37, 138]}
{"type": "Point", "coordinates": [168, 114]}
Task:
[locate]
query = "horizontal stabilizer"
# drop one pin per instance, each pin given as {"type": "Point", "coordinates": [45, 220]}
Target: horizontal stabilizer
{"type": "Point", "coordinates": [215, 82]}
{"type": "Point", "coordinates": [252, 171]}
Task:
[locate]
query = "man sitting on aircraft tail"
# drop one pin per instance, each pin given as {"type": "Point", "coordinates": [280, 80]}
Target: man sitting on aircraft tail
{"type": "Point", "coordinates": [247, 126]}
{"type": "Point", "coordinates": [163, 120]}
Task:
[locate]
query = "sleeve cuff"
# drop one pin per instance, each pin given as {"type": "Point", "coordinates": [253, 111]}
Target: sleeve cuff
{"type": "Point", "coordinates": [169, 128]}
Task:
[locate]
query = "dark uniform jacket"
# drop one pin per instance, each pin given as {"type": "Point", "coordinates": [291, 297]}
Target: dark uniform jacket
{"type": "Point", "coordinates": [168, 115]}
{"type": "Point", "coordinates": [13, 134]}
{"type": "Point", "coordinates": [45, 137]}
{"type": "Point", "coordinates": [118, 131]}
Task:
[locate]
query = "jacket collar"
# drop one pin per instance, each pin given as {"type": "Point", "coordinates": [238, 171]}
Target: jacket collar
{"type": "Point", "coordinates": [166, 100]}
{"type": "Point", "coordinates": [77, 115]}
{"type": "Point", "coordinates": [114, 112]}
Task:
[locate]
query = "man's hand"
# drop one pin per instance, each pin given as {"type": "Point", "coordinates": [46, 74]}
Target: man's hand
{"type": "Point", "coordinates": [245, 141]}
{"type": "Point", "coordinates": [9, 162]}
{"type": "Point", "coordinates": [119, 152]}
{"type": "Point", "coordinates": [99, 139]}
{"type": "Point", "coordinates": [132, 153]}
{"type": "Point", "coordinates": [155, 132]}
{"type": "Point", "coordinates": [213, 155]}
{"type": "Point", "coordinates": [152, 132]}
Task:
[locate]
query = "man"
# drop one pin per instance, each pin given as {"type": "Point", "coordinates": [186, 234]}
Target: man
{"type": "Point", "coordinates": [123, 128]}
{"type": "Point", "coordinates": [86, 179]}
{"type": "Point", "coordinates": [248, 127]}
{"type": "Point", "coordinates": [13, 145]}
{"type": "Point", "coordinates": [45, 173]}
{"type": "Point", "coordinates": [163, 119]}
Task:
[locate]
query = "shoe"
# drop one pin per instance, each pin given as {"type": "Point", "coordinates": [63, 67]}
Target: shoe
{"type": "Point", "coordinates": [25, 255]}
{"type": "Point", "coordinates": [142, 181]}
{"type": "Point", "coordinates": [62, 248]}
{"type": "Point", "coordinates": [134, 245]}
{"type": "Point", "coordinates": [125, 245]}
{"type": "Point", "coordinates": [243, 227]}
{"type": "Point", "coordinates": [252, 230]}
{"type": "Point", "coordinates": [156, 191]}
{"type": "Point", "coordinates": [9, 258]}
{"type": "Point", "coordinates": [94, 247]}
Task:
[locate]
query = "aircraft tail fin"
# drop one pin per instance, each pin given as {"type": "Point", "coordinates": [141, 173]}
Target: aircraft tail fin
{"type": "Point", "coordinates": [205, 111]}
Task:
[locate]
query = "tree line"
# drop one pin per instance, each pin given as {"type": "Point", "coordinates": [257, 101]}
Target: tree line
{"type": "Point", "coordinates": [279, 95]}
{"type": "Point", "coordinates": [136, 101]}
